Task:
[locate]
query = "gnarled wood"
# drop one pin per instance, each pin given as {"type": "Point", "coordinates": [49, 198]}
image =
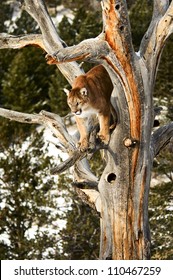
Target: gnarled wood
{"type": "Point", "coordinates": [57, 126]}
{"type": "Point", "coordinates": [16, 42]}
{"type": "Point", "coordinates": [161, 137]}
{"type": "Point", "coordinates": [51, 39]}
{"type": "Point", "coordinates": [123, 189]}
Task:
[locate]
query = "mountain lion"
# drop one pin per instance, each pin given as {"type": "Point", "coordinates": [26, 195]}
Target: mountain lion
{"type": "Point", "coordinates": [90, 94]}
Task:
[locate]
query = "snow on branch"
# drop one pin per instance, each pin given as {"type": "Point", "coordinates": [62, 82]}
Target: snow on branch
{"type": "Point", "coordinates": [161, 137]}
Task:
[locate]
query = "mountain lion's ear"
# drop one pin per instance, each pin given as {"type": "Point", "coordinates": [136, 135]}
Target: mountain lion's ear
{"type": "Point", "coordinates": [83, 91]}
{"type": "Point", "coordinates": [66, 91]}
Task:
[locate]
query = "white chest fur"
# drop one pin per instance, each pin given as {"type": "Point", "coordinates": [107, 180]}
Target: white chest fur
{"type": "Point", "coordinates": [88, 112]}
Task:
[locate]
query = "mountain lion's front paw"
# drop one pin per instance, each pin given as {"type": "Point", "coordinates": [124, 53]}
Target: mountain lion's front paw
{"type": "Point", "coordinates": [83, 145]}
{"type": "Point", "coordinates": [104, 138]}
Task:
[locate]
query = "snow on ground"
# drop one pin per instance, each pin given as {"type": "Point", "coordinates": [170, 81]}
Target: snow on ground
{"type": "Point", "coordinates": [61, 12]}
{"type": "Point", "coordinates": [62, 205]}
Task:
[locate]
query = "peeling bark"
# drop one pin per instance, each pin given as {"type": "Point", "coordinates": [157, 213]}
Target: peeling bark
{"type": "Point", "coordinates": [123, 189]}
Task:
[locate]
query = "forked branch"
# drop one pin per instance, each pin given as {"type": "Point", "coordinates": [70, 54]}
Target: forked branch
{"type": "Point", "coordinates": [91, 49]}
{"type": "Point", "coordinates": [48, 40]}
{"type": "Point", "coordinates": [160, 29]}
{"type": "Point", "coordinates": [52, 41]}
{"type": "Point", "coordinates": [57, 126]}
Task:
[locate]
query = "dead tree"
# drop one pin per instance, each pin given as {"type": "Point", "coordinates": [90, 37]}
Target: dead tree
{"type": "Point", "coordinates": [123, 189]}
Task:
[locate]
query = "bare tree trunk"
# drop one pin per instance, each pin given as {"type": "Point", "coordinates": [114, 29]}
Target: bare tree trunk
{"type": "Point", "coordinates": [123, 188]}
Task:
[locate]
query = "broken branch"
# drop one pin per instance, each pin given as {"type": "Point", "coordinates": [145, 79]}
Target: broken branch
{"type": "Point", "coordinates": [160, 28]}
{"type": "Point", "coordinates": [90, 197]}
{"type": "Point", "coordinates": [52, 42]}
{"type": "Point", "coordinates": [16, 42]}
{"type": "Point", "coordinates": [55, 123]}
{"type": "Point", "coordinates": [90, 49]}
{"type": "Point", "coordinates": [161, 137]}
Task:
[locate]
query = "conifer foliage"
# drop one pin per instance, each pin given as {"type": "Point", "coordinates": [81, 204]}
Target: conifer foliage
{"type": "Point", "coordinates": [29, 211]}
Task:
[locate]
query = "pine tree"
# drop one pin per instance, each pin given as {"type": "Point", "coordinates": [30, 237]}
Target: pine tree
{"type": "Point", "coordinates": [161, 220]}
{"type": "Point", "coordinates": [57, 96]}
{"type": "Point", "coordinates": [5, 14]}
{"type": "Point", "coordinates": [81, 234]}
{"type": "Point", "coordinates": [29, 210]}
{"type": "Point", "coordinates": [28, 196]}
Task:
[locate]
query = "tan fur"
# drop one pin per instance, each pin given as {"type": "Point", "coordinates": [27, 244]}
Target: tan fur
{"type": "Point", "coordinates": [91, 94]}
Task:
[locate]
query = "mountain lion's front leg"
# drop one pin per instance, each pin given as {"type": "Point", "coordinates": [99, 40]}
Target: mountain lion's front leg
{"type": "Point", "coordinates": [84, 137]}
{"type": "Point", "coordinates": [104, 133]}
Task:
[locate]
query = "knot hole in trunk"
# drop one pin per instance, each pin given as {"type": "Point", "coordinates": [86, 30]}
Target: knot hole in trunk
{"type": "Point", "coordinates": [111, 177]}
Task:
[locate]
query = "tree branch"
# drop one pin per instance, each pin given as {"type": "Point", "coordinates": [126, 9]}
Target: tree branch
{"type": "Point", "coordinates": [55, 123]}
{"type": "Point", "coordinates": [160, 138]}
{"type": "Point", "coordinates": [68, 162]}
{"type": "Point", "coordinates": [116, 37]}
{"type": "Point", "coordinates": [165, 25]}
{"type": "Point", "coordinates": [51, 40]}
{"type": "Point", "coordinates": [90, 197]}
{"type": "Point", "coordinates": [49, 120]}
{"type": "Point", "coordinates": [153, 42]}
{"type": "Point", "coordinates": [160, 7]}
{"type": "Point", "coordinates": [16, 42]}
{"type": "Point", "coordinates": [21, 117]}
{"type": "Point", "coordinates": [37, 9]}
{"type": "Point", "coordinates": [159, 10]}
{"type": "Point", "coordinates": [90, 49]}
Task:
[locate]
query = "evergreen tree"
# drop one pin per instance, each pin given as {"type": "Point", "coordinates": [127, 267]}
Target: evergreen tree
{"type": "Point", "coordinates": [57, 96]}
{"type": "Point", "coordinates": [25, 84]}
{"type": "Point", "coordinates": [140, 17]}
{"type": "Point", "coordinates": [24, 87]}
{"type": "Point", "coordinates": [81, 234]}
{"type": "Point", "coordinates": [28, 203]}
{"type": "Point", "coordinates": [161, 220]}
{"type": "Point", "coordinates": [5, 14]}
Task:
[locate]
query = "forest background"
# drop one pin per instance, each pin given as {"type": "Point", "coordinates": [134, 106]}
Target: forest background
{"type": "Point", "coordinates": [41, 216]}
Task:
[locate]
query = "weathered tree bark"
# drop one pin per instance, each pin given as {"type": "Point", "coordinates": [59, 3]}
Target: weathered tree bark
{"type": "Point", "coordinates": [123, 189]}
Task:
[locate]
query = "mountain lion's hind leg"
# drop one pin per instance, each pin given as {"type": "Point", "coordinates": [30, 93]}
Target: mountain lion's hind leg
{"type": "Point", "coordinates": [104, 133]}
